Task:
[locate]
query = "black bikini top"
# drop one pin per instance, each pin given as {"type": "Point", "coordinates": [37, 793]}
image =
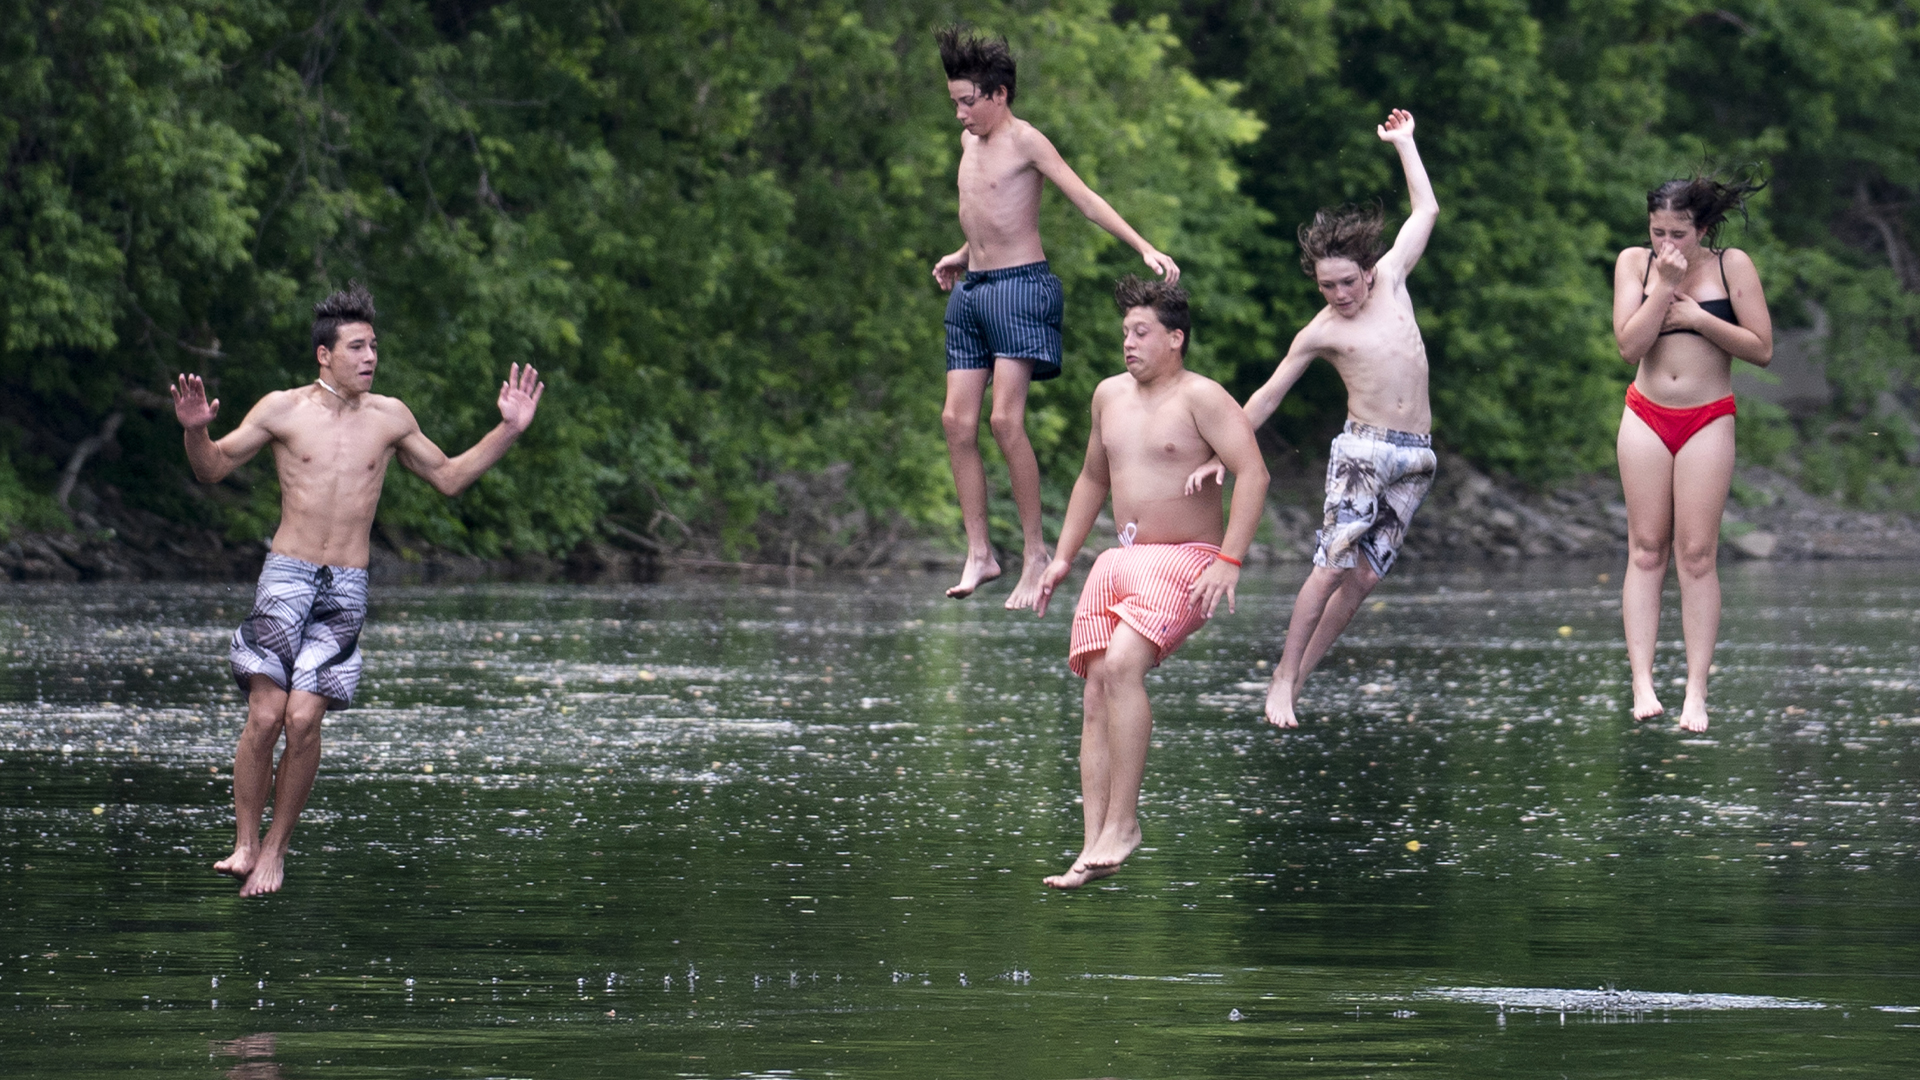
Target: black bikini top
{"type": "Point", "coordinates": [1721, 309]}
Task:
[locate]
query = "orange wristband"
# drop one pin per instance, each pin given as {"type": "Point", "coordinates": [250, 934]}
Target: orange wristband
{"type": "Point", "coordinates": [1228, 558]}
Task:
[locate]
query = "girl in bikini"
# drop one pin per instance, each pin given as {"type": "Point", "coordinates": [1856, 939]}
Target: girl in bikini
{"type": "Point", "coordinates": [1683, 310]}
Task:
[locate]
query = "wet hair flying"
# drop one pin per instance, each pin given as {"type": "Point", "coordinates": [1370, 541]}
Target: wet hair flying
{"type": "Point", "coordinates": [1706, 200]}
{"type": "Point", "coordinates": [1343, 232]}
{"type": "Point", "coordinates": [983, 61]}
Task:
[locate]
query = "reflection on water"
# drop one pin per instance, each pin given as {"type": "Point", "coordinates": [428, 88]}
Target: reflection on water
{"type": "Point", "coordinates": [736, 830]}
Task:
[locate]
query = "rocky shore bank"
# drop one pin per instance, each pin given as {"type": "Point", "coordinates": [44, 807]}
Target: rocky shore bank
{"type": "Point", "coordinates": [1469, 516]}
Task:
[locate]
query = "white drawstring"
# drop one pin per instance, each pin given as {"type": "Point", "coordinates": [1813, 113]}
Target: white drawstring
{"type": "Point", "coordinates": [1128, 533]}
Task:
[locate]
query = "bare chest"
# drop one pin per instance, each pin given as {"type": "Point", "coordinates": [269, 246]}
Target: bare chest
{"type": "Point", "coordinates": [1388, 337]}
{"type": "Point", "coordinates": [1150, 436]}
{"type": "Point", "coordinates": [994, 173]}
{"type": "Point", "coordinates": [353, 447]}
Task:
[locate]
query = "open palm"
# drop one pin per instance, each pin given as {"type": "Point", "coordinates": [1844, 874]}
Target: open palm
{"type": "Point", "coordinates": [520, 396]}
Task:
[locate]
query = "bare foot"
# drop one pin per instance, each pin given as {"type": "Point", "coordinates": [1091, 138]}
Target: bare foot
{"type": "Point", "coordinates": [268, 869]}
{"type": "Point", "coordinates": [1280, 705]}
{"type": "Point", "coordinates": [1693, 715]}
{"type": "Point", "coordinates": [1077, 875]}
{"type": "Point", "coordinates": [1026, 594]}
{"type": "Point", "coordinates": [1646, 702]}
{"type": "Point", "coordinates": [976, 573]}
{"type": "Point", "coordinates": [1111, 850]}
{"type": "Point", "coordinates": [239, 864]}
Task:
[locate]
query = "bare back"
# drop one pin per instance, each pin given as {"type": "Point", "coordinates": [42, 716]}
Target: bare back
{"type": "Point", "coordinates": [1000, 197]}
{"type": "Point", "coordinates": [1380, 356]}
{"type": "Point", "coordinates": [1152, 438]}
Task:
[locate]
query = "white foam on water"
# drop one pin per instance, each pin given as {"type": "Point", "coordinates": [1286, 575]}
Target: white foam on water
{"type": "Point", "coordinates": [1610, 1001]}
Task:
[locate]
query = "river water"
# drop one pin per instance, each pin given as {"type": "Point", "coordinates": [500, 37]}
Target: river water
{"type": "Point", "coordinates": [711, 829]}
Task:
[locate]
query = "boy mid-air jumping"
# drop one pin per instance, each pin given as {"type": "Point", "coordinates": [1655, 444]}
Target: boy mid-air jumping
{"type": "Point", "coordinates": [1003, 319]}
{"type": "Point", "coordinates": [298, 653]}
{"type": "Point", "coordinates": [1381, 465]}
{"type": "Point", "coordinates": [1179, 554]}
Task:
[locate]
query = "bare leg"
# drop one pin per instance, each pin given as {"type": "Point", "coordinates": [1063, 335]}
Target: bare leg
{"type": "Point", "coordinates": [1341, 607]}
{"type": "Point", "coordinates": [292, 783]}
{"type": "Point", "coordinates": [1702, 473]}
{"type": "Point", "coordinates": [253, 772]}
{"type": "Point", "coordinates": [1116, 729]}
{"type": "Point", "coordinates": [1308, 608]}
{"type": "Point", "coordinates": [961, 419]}
{"type": "Point", "coordinates": [1646, 478]}
{"type": "Point", "coordinates": [1010, 381]}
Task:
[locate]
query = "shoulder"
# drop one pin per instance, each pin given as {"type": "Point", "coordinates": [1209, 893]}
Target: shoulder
{"type": "Point", "coordinates": [1633, 258]}
{"type": "Point", "coordinates": [1110, 388]}
{"type": "Point", "coordinates": [1736, 259]}
{"type": "Point", "coordinates": [388, 405]}
{"type": "Point", "coordinates": [1031, 140]}
{"type": "Point", "coordinates": [1203, 392]}
{"type": "Point", "coordinates": [275, 405]}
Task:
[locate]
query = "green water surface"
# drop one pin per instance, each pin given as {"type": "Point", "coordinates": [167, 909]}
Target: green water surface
{"type": "Point", "coordinates": [714, 829]}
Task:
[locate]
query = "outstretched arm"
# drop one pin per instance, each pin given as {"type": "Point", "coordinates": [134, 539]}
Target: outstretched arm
{"type": "Point", "coordinates": [519, 398]}
{"type": "Point", "coordinates": [1412, 241]}
{"type": "Point", "coordinates": [213, 461]}
{"type": "Point", "coordinates": [1226, 429]}
{"type": "Point", "coordinates": [1262, 403]}
{"type": "Point", "coordinates": [1083, 508]}
{"type": "Point", "coordinates": [1055, 168]}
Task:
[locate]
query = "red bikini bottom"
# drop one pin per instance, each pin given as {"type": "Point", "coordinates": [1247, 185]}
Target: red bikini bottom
{"type": "Point", "coordinates": [1676, 426]}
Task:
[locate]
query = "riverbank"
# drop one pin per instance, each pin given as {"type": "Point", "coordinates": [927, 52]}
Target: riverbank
{"type": "Point", "coordinates": [1469, 516]}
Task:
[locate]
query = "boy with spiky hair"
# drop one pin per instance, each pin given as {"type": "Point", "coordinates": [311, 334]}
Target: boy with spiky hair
{"type": "Point", "coordinates": [1003, 320]}
{"type": "Point", "coordinates": [1179, 555]}
{"type": "Point", "coordinates": [298, 655]}
{"type": "Point", "coordinates": [1382, 463]}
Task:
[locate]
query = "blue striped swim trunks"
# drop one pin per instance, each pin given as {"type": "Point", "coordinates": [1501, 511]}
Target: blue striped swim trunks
{"type": "Point", "coordinates": [1012, 312]}
{"type": "Point", "coordinates": [304, 631]}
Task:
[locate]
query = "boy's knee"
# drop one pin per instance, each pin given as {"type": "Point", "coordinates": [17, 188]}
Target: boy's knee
{"type": "Point", "coordinates": [961, 427]}
{"type": "Point", "coordinates": [1009, 425]}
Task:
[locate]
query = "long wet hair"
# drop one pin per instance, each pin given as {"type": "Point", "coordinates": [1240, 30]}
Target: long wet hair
{"type": "Point", "coordinates": [1706, 200]}
{"type": "Point", "coordinates": [1168, 301]}
{"type": "Point", "coordinates": [983, 61]}
{"type": "Point", "coordinates": [1344, 232]}
{"type": "Point", "coordinates": [350, 305]}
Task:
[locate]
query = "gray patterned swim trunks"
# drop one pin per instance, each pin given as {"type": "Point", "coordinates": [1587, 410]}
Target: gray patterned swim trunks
{"type": "Point", "coordinates": [1376, 479]}
{"type": "Point", "coordinates": [304, 632]}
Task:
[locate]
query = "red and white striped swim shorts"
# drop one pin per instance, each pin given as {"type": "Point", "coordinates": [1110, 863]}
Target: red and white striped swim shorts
{"type": "Point", "coordinates": [1144, 586]}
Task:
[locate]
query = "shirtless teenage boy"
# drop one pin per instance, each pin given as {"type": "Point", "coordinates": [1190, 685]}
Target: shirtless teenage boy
{"type": "Point", "coordinates": [1381, 465]}
{"type": "Point", "coordinates": [1003, 322]}
{"type": "Point", "coordinates": [1178, 554]}
{"type": "Point", "coordinates": [297, 654]}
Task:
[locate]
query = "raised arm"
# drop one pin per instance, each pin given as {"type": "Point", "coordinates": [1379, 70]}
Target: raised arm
{"type": "Point", "coordinates": [1226, 429]}
{"type": "Point", "coordinates": [519, 398]}
{"type": "Point", "coordinates": [1083, 508]}
{"type": "Point", "coordinates": [212, 461]}
{"type": "Point", "coordinates": [1412, 241]}
{"type": "Point", "coordinates": [1040, 151]}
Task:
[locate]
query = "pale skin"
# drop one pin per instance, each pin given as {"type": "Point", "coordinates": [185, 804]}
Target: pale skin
{"type": "Point", "coordinates": [1151, 427]}
{"type": "Point", "coordinates": [331, 448]}
{"type": "Point", "coordinates": [1674, 501]}
{"type": "Point", "coordinates": [1369, 334]}
{"type": "Point", "coordinates": [1003, 161]}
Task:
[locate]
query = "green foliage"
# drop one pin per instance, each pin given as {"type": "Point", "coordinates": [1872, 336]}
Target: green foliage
{"type": "Point", "coordinates": [710, 224]}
